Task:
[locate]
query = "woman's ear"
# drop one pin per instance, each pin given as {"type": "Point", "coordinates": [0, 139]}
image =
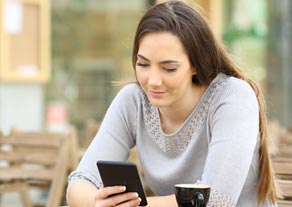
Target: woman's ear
{"type": "Point", "coordinates": [194, 71]}
{"type": "Point", "coordinates": [194, 76]}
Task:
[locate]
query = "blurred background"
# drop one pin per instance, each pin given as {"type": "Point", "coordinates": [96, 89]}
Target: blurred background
{"type": "Point", "coordinates": [60, 58]}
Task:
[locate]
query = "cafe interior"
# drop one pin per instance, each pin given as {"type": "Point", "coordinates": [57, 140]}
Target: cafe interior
{"type": "Point", "coordinates": [60, 61]}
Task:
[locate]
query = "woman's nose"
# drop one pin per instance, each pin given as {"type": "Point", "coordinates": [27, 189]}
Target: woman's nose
{"type": "Point", "coordinates": [155, 78]}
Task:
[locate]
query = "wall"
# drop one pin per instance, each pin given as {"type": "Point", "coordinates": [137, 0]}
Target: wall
{"type": "Point", "coordinates": [21, 106]}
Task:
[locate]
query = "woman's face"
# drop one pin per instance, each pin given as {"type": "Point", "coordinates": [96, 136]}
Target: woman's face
{"type": "Point", "coordinates": [163, 69]}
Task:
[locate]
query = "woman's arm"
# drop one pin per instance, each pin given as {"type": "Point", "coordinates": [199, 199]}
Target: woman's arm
{"type": "Point", "coordinates": [231, 164]}
{"type": "Point", "coordinates": [112, 142]}
{"type": "Point", "coordinates": [162, 201]}
{"type": "Point", "coordinates": [82, 194]}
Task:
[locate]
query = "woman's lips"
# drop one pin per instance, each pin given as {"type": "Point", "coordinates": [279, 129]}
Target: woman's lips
{"type": "Point", "coordinates": [156, 94]}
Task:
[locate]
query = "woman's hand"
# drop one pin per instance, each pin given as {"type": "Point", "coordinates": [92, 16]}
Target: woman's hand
{"type": "Point", "coordinates": [116, 196]}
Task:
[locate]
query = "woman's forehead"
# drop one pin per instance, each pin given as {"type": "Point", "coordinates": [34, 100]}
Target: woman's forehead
{"type": "Point", "coordinates": [160, 41]}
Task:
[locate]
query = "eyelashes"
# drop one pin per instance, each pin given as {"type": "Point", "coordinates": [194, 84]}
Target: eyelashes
{"type": "Point", "coordinates": [168, 69]}
{"type": "Point", "coordinates": [142, 65]}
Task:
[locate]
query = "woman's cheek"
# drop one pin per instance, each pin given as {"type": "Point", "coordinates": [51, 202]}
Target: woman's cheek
{"type": "Point", "coordinates": [141, 77]}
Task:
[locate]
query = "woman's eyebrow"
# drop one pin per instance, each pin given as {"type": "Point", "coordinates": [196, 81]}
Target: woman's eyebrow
{"type": "Point", "coordinates": [168, 61]}
{"type": "Point", "coordinates": [142, 57]}
{"type": "Point", "coordinates": [162, 62]}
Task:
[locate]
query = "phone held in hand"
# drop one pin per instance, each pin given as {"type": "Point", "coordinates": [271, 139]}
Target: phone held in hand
{"type": "Point", "coordinates": [115, 173]}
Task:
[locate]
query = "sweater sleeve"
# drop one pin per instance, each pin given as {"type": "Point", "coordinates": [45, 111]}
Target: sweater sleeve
{"type": "Point", "coordinates": [234, 129]}
{"type": "Point", "coordinates": [114, 139]}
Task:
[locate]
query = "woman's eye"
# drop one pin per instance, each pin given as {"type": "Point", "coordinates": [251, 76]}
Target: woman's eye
{"type": "Point", "coordinates": [142, 64]}
{"type": "Point", "coordinates": [170, 69]}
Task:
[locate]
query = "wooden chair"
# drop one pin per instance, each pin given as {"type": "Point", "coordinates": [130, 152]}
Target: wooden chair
{"type": "Point", "coordinates": [39, 159]}
{"type": "Point", "coordinates": [282, 163]}
{"type": "Point", "coordinates": [70, 135]}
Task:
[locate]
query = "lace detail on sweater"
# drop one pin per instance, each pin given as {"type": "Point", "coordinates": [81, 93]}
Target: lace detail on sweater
{"type": "Point", "coordinates": [177, 142]}
{"type": "Point", "coordinates": [80, 176]}
{"type": "Point", "coordinates": [218, 199]}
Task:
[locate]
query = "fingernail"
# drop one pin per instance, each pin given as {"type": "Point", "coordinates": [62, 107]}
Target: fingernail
{"type": "Point", "coordinates": [123, 188]}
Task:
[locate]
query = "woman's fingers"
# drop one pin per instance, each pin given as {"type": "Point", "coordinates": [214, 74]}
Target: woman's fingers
{"type": "Point", "coordinates": [116, 196]}
{"type": "Point", "coordinates": [108, 191]}
{"type": "Point", "coordinates": [132, 203]}
{"type": "Point", "coordinates": [125, 199]}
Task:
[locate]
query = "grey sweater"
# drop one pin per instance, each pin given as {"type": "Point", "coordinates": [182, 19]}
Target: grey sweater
{"type": "Point", "coordinates": [217, 144]}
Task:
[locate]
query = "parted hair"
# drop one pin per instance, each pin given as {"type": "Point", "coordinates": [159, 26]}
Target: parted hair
{"type": "Point", "coordinates": [209, 58]}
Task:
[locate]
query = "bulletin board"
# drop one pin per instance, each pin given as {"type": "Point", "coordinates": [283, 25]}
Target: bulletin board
{"type": "Point", "coordinates": [25, 41]}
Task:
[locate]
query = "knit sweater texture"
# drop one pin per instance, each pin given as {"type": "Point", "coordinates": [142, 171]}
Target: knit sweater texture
{"type": "Point", "coordinates": [218, 144]}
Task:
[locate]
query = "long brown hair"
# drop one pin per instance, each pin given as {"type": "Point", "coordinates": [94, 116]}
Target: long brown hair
{"type": "Point", "coordinates": [209, 58]}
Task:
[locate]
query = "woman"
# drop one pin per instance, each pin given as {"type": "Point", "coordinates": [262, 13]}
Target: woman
{"type": "Point", "coordinates": [193, 115]}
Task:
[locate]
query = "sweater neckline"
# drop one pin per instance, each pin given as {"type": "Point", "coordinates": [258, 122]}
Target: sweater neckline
{"type": "Point", "coordinates": [179, 140]}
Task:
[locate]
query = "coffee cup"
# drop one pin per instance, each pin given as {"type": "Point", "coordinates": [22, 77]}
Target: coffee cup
{"type": "Point", "coordinates": [192, 195]}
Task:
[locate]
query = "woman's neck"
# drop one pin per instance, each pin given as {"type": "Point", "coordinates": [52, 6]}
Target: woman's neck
{"type": "Point", "coordinates": [172, 117]}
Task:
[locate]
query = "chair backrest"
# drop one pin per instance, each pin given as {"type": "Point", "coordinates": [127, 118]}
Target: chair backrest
{"type": "Point", "coordinates": [282, 163]}
{"type": "Point", "coordinates": [38, 158]}
{"type": "Point", "coordinates": [70, 135]}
